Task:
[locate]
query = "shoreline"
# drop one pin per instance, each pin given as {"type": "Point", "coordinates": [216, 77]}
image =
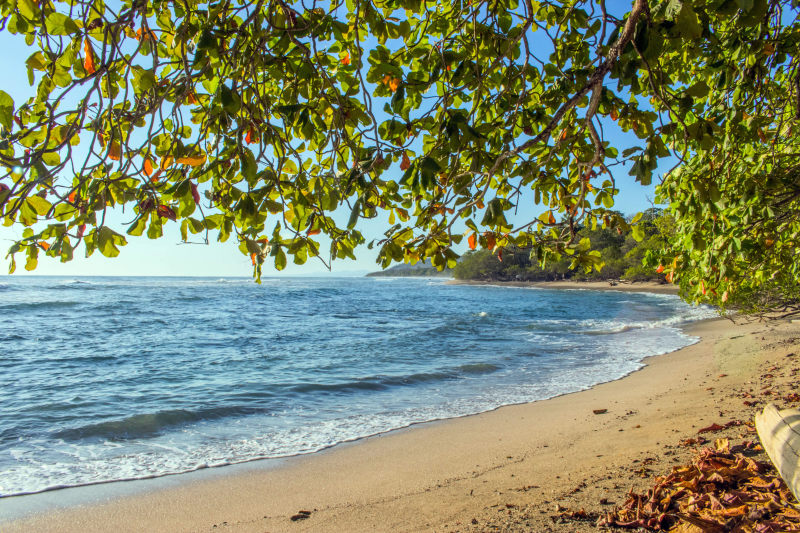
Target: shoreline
{"type": "Point", "coordinates": [128, 486]}
{"type": "Point", "coordinates": [625, 286]}
{"type": "Point", "coordinates": [385, 481]}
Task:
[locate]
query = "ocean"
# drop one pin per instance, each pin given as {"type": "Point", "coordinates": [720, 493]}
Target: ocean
{"type": "Point", "coordinates": [116, 378]}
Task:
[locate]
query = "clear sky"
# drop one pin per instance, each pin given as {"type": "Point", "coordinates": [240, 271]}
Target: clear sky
{"type": "Point", "coordinates": [169, 257]}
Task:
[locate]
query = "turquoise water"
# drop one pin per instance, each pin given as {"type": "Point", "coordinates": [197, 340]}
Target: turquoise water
{"type": "Point", "coordinates": [122, 378]}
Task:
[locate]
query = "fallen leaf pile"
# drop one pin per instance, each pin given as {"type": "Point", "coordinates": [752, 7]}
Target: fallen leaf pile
{"type": "Point", "coordinates": [721, 490]}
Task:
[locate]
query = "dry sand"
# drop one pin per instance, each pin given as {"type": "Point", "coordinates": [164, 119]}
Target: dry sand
{"type": "Point", "coordinates": [507, 470]}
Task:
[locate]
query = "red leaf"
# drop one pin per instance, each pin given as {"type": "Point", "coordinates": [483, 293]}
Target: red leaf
{"type": "Point", "coordinates": [711, 428]}
{"type": "Point", "coordinates": [195, 194]}
{"type": "Point", "coordinates": [405, 163]}
{"type": "Point", "coordinates": [473, 241]}
{"type": "Point", "coordinates": [660, 269]}
{"type": "Point", "coordinates": [72, 196]}
{"type": "Point", "coordinates": [166, 211]}
{"type": "Point", "coordinates": [81, 229]}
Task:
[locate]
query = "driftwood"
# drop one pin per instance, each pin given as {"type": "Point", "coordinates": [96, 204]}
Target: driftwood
{"type": "Point", "coordinates": [779, 432]}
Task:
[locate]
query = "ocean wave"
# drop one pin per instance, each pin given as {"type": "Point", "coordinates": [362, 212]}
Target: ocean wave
{"type": "Point", "coordinates": [150, 424]}
{"type": "Point", "coordinates": [337, 387]}
{"type": "Point", "coordinates": [478, 368]}
{"type": "Point", "coordinates": [26, 306]}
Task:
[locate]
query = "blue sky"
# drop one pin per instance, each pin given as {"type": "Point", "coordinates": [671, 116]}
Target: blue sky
{"type": "Point", "coordinates": [169, 257]}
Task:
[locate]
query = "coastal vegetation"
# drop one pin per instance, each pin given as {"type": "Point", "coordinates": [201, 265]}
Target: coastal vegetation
{"type": "Point", "coordinates": [620, 253]}
{"type": "Point", "coordinates": [285, 125]}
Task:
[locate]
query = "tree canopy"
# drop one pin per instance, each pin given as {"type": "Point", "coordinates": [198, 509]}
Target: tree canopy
{"type": "Point", "coordinates": [267, 120]}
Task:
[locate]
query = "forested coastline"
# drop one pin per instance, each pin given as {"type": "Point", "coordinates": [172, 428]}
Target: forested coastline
{"type": "Point", "coordinates": [621, 253]}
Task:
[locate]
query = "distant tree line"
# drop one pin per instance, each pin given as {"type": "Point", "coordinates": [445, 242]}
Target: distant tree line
{"type": "Point", "coordinates": [620, 252]}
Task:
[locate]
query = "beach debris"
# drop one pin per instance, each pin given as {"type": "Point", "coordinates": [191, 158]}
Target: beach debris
{"type": "Point", "coordinates": [692, 441]}
{"type": "Point", "coordinates": [717, 427]}
{"type": "Point", "coordinates": [301, 515]}
{"type": "Point", "coordinates": [565, 515]}
{"type": "Point", "coordinates": [599, 411]}
{"type": "Point", "coordinates": [711, 428]}
{"type": "Point", "coordinates": [723, 489]}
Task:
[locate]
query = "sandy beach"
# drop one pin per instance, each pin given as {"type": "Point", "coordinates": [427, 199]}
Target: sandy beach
{"type": "Point", "coordinates": [511, 469]}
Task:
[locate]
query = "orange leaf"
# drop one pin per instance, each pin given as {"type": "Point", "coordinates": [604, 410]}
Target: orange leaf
{"type": "Point", "coordinates": [703, 287]}
{"type": "Point", "coordinates": [480, 204]}
{"type": "Point", "coordinates": [165, 162]}
{"type": "Point", "coordinates": [72, 196]}
{"type": "Point", "coordinates": [45, 245]}
{"type": "Point", "coordinates": [114, 151]}
{"type": "Point", "coordinates": [563, 135]}
{"type": "Point", "coordinates": [386, 79]}
{"type": "Point", "coordinates": [251, 137]}
{"type": "Point", "coordinates": [314, 232]}
{"type": "Point", "coordinates": [191, 98]}
{"type": "Point", "coordinates": [500, 255]}
{"type": "Point", "coordinates": [192, 160]}
{"type": "Point", "coordinates": [346, 59]}
{"type": "Point", "coordinates": [670, 277]}
{"type": "Point", "coordinates": [394, 84]}
{"type": "Point", "coordinates": [88, 62]}
{"type": "Point", "coordinates": [473, 241]}
{"type": "Point", "coordinates": [614, 113]}
{"type": "Point", "coordinates": [148, 167]}
{"type": "Point", "coordinates": [405, 163]}
{"type": "Point", "coordinates": [142, 34]}
{"type": "Point", "coordinates": [154, 178]}
{"type": "Point", "coordinates": [550, 218]}
{"type": "Point", "coordinates": [253, 259]}
{"type": "Point", "coordinates": [660, 269]}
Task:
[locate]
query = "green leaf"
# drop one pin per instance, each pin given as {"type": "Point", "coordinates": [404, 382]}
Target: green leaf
{"type": "Point", "coordinates": [6, 110]}
{"type": "Point", "coordinates": [280, 259]}
{"type": "Point", "coordinates": [39, 205]}
{"type": "Point", "coordinates": [60, 24]}
{"type": "Point", "coordinates": [107, 241]}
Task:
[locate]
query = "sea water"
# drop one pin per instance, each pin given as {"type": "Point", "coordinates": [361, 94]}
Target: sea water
{"type": "Point", "coordinates": [122, 378]}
